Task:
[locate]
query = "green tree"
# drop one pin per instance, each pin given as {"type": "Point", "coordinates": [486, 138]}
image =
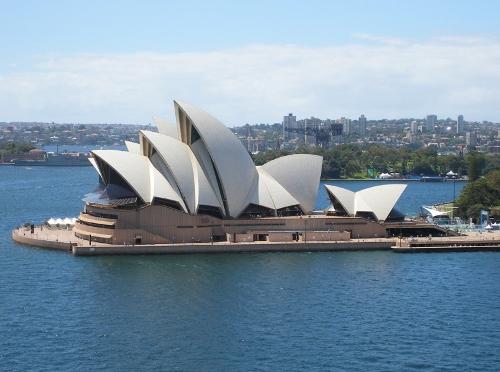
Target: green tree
{"type": "Point", "coordinates": [483, 193]}
{"type": "Point", "coordinates": [475, 165]}
{"type": "Point", "coordinates": [15, 147]}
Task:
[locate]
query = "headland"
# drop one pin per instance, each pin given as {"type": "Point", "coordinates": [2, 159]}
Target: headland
{"type": "Point", "coordinates": [192, 187]}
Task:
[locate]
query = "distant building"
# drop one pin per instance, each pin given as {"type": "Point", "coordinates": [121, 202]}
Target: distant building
{"type": "Point", "coordinates": [471, 139]}
{"type": "Point", "coordinates": [346, 125]}
{"type": "Point", "coordinates": [460, 124]}
{"type": "Point", "coordinates": [362, 125]}
{"type": "Point", "coordinates": [310, 127]}
{"type": "Point", "coordinates": [430, 123]}
{"type": "Point", "coordinates": [289, 121]}
{"type": "Point", "coordinates": [414, 127]}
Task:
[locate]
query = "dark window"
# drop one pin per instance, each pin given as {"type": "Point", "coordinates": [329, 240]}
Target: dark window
{"type": "Point", "coordinates": [219, 238]}
{"type": "Point", "coordinates": [210, 211]}
{"type": "Point", "coordinates": [259, 237]}
{"type": "Point", "coordinates": [256, 211]}
{"type": "Point", "coordinates": [339, 209]}
{"type": "Point", "coordinates": [195, 136]}
{"type": "Point", "coordinates": [167, 203]}
{"type": "Point", "coordinates": [294, 210]}
{"type": "Point", "coordinates": [395, 215]}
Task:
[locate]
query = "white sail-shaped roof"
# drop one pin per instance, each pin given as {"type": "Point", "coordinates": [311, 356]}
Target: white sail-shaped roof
{"type": "Point", "coordinates": [379, 200]}
{"type": "Point", "coordinates": [260, 195]}
{"type": "Point", "coordinates": [299, 174]}
{"type": "Point", "coordinates": [268, 193]}
{"type": "Point", "coordinates": [140, 174]}
{"type": "Point", "coordinates": [228, 157]}
{"type": "Point", "coordinates": [132, 167]}
{"type": "Point", "coordinates": [205, 194]}
{"type": "Point", "coordinates": [165, 127]}
{"type": "Point", "coordinates": [133, 147]}
{"type": "Point", "coordinates": [184, 169]}
{"type": "Point", "coordinates": [175, 156]}
{"type": "Point", "coordinates": [344, 196]}
{"type": "Point", "coordinates": [96, 167]}
{"type": "Point", "coordinates": [201, 167]}
{"type": "Point", "coordinates": [280, 197]}
{"type": "Point", "coordinates": [160, 188]}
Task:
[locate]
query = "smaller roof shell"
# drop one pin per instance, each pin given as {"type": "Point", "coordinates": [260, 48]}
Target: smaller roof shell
{"type": "Point", "coordinates": [133, 147]}
{"type": "Point", "coordinates": [279, 196]}
{"type": "Point", "coordinates": [380, 200]}
{"type": "Point", "coordinates": [96, 167]}
{"type": "Point", "coordinates": [166, 128]}
{"type": "Point", "coordinates": [140, 174]}
{"type": "Point", "coordinates": [299, 175]}
{"type": "Point", "coordinates": [344, 196]}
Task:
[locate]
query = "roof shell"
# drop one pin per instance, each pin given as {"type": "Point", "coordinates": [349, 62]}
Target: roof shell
{"type": "Point", "coordinates": [96, 167]}
{"type": "Point", "coordinates": [166, 128]}
{"type": "Point", "coordinates": [279, 196]}
{"type": "Point", "coordinates": [140, 174]}
{"type": "Point", "coordinates": [175, 155]}
{"type": "Point", "coordinates": [344, 196]}
{"type": "Point", "coordinates": [133, 147]}
{"type": "Point", "coordinates": [379, 200]}
{"type": "Point", "coordinates": [299, 174]}
{"type": "Point", "coordinates": [161, 188]}
{"type": "Point", "coordinates": [185, 170]}
{"type": "Point", "coordinates": [230, 159]}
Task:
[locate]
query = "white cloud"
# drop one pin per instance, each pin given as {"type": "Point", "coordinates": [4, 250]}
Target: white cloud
{"type": "Point", "coordinates": [380, 39]}
{"type": "Point", "coordinates": [381, 77]}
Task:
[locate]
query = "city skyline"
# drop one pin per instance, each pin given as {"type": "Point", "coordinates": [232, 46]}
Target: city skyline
{"type": "Point", "coordinates": [121, 61]}
{"type": "Point", "coordinates": [334, 118]}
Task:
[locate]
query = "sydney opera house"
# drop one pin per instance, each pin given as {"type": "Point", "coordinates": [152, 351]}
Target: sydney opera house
{"type": "Point", "coordinates": [193, 181]}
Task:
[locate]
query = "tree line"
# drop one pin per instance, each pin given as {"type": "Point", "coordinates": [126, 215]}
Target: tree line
{"type": "Point", "coordinates": [367, 161]}
{"type": "Point", "coordinates": [480, 194]}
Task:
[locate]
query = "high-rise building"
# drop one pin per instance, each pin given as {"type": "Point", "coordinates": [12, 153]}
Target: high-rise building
{"type": "Point", "coordinates": [362, 125]}
{"type": "Point", "coordinates": [346, 125]}
{"type": "Point", "coordinates": [310, 128]}
{"type": "Point", "coordinates": [471, 139]}
{"type": "Point", "coordinates": [414, 127]}
{"type": "Point", "coordinates": [460, 124]}
{"type": "Point", "coordinates": [430, 123]}
{"type": "Point", "coordinates": [289, 122]}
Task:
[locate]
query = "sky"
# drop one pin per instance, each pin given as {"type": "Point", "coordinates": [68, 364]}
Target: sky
{"type": "Point", "coordinates": [249, 61]}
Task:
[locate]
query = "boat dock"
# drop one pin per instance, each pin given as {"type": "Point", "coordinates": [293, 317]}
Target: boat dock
{"type": "Point", "coordinates": [472, 242]}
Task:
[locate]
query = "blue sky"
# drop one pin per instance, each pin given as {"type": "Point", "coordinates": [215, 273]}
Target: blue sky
{"type": "Point", "coordinates": [76, 60]}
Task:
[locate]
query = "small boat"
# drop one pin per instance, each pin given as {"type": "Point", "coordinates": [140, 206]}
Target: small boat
{"type": "Point", "coordinates": [432, 179]}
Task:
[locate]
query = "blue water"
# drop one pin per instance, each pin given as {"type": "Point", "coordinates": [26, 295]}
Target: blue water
{"type": "Point", "coordinates": [361, 311]}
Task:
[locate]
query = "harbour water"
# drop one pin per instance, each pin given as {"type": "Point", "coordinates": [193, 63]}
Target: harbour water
{"type": "Point", "coordinates": [324, 311]}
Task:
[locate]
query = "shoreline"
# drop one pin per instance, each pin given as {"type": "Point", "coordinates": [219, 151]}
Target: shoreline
{"type": "Point", "coordinates": [65, 240]}
{"type": "Point", "coordinates": [390, 180]}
